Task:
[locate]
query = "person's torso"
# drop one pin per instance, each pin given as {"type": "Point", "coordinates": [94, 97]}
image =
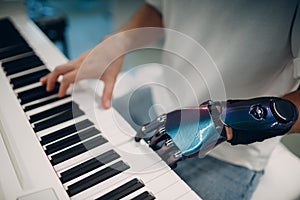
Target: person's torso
{"type": "Point", "coordinates": [248, 43]}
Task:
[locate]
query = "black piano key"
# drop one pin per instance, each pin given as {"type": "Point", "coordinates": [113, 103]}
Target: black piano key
{"type": "Point", "coordinates": [28, 78]}
{"type": "Point", "coordinates": [78, 149]}
{"type": "Point", "coordinates": [11, 71]}
{"type": "Point", "coordinates": [52, 111]}
{"type": "Point", "coordinates": [14, 51]}
{"type": "Point", "coordinates": [65, 131]}
{"type": "Point", "coordinates": [144, 196]}
{"type": "Point", "coordinates": [88, 166]}
{"type": "Point", "coordinates": [22, 64]}
{"type": "Point", "coordinates": [20, 61]}
{"type": "Point", "coordinates": [97, 178]}
{"type": "Point", "coordinates": [9, 34]}
{"type": "Point", "coordinates": [66, 142]}
{"type": "Point", "coordinates": [33, 106]}
{"type": "Point", "coordinates": [123, 190]}
{"type": "Point", "coordinates": [36, 93]}
{"type": "Point", "coordinates": [57, 119]}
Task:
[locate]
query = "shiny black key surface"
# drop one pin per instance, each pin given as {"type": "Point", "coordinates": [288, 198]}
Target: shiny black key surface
{"type": "Point", "coordinates": [78, 149]}
{"type": "Point", "coordinates": [52, 111]}
{"type": "Point", "coordinates": [9, 34]}
{"type": "Point", "coordinates": [97, 178]}
{"type": "Point", "coordinates": [20, 61]}
{"type": "Point", "coordinates": [14, 50]}
{"type": "Point", "coordinates": [69, 141]}
{"type": "Point", "coordinates": [36, 93]}
{"type": "Point", "coordinates": [89, 165]}
{"type": "Point", "coordinates": [48, 101]}
{"type": "Point", "coordinates": [27, 79]}
{"type": "Point", "coordinates": [21, 64]}
{"type": "Point", "coordinates": [123, 190]}
{"type": "Point", "coordinates": [144, 196]}
{"type": "Point", "coordinates": [57, 119]}
{"type": "Point", "coordinates": [65, 131]}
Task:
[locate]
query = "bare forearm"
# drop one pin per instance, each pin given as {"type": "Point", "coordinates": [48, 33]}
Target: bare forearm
{"type": "Point", "coordinates": [143, 28]}
{"type": "Point", "coordinates": [145, 16]}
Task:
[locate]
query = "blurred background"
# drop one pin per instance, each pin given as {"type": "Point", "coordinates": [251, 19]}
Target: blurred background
{"type": "Point", "coordinates": [84, 22]}
{"type": "Point", "coordinates": [77, 25]}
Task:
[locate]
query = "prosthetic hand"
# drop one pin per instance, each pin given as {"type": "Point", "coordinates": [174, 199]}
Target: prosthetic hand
{"type": "Point", "coordinates": [194, 131]}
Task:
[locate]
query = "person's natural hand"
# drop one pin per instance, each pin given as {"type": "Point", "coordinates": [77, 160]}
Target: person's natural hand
{"type": "Point", "coordinates": [103, 62]}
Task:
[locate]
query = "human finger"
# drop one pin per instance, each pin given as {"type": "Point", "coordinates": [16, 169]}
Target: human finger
{"type": "Point", "coordinates": [107, 92]}
{"type": "Point", "coordinates": [67, 80]}
{"type": "Point", "coordinates": [43, 79]}
{"type": "Point", "coordinates": [53, 76]}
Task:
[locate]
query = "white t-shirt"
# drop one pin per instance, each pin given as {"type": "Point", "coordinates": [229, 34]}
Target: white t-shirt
{"type": "Point", "coordinates": [252, 43]}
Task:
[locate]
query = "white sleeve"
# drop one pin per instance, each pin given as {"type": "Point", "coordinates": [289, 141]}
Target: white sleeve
{"type": "Point", "coordinates": [297, 68]}
{"type": "Point", "coordinates": [295, 44]}
{"type": "Point", "coordinates": [157, 4]}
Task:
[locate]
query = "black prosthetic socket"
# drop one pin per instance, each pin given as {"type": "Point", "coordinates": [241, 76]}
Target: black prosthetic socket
{"type": "Point", "coordinates": [255, 120]}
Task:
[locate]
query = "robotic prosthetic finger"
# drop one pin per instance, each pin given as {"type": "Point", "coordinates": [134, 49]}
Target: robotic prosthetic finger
{"type": "Point", "coordinates": [195, 131]}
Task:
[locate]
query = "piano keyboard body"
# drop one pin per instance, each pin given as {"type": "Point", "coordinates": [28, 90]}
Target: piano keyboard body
{"type": "Point", "coordinates": [66, 148]}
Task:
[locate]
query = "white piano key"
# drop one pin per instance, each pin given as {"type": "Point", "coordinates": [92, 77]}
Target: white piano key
{"type": "Point", "coordinates": [75, 144]}
{"type": "Point", "coordinates": [78, 149]}
{"type": "Point", "coordinates": [136, 193]}
{"type": "Point", "coordinates": [90, 173]}
{"type": "Point", "coordinates": [85, 97]}
{"type": "Point", "coordinates": [114, 127]}
{"type": "Point", "coordinates": [155, 182]}
{"type": "Point", "coordinates": [155, 185]}
{"type": "Point", "coordinates": [60, 126]}
{"type": "Point", "coordinates": [26, 72]}
{"type": "Point", "coordinates": [102, 158]}
{"type": "Point", "coordinates": [175, 191]}
{"type": "Point", "coordinates": [39, 100]}
{"type": "Point", "coordinates": [89, 154]}
{"type": "Point", "coordinates": [63, 166]}
{"type": "Point", "coordinates": [61, 138]}
{"type": "Point", "coordinates": [28, 87]}
{"type": "Point", "coordinates": [139, 164]}
{"type": "Point", "coordinates": [48, 106]}
{"type": "Point", "coordinates": [163, 182]}
{"type": "Point", "coordinates": [151, 173]}
{"type": "Point", "coordinates": [17, 56]}
{"type": "Point", "coordinates": [132, 152]}
{"type": "Point", "coordinates": [191, 195]}
{"type": "Point", "coordinates": [46, 118]}
{"type": "Point", "coordinates": [55, 116]}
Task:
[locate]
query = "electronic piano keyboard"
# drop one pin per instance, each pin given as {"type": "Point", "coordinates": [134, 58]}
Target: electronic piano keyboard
{"type": "Point", "coordinates": [66, 148]}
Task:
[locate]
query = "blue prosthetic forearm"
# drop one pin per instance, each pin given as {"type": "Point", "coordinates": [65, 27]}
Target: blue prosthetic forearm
{"type": "Point", "coordinates": [194, 131]}
{"type": "Point", "coordinates": [204, 131]}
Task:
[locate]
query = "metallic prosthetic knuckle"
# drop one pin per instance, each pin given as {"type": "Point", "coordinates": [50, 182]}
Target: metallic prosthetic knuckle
{"type": "Point", "coordinates": [183, 133]}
